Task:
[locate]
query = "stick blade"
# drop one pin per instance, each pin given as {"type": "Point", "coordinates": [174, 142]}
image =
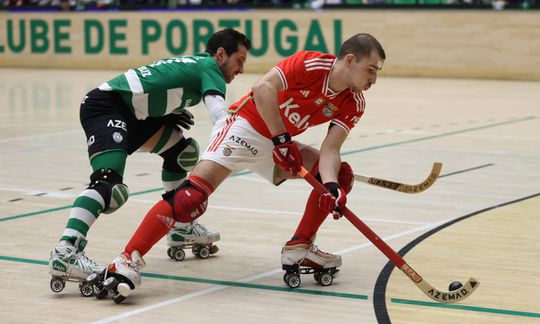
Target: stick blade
{"type": "Point", "coordinates": [449, 297]}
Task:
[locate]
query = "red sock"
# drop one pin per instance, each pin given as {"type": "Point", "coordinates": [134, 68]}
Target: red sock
{"type": "Point", "coordinates": [156, 224]}
{"type": "Point", "coordinates": [311, 220]}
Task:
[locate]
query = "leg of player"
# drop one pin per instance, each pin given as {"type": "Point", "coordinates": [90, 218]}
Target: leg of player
{"type": "Point", "coordinates": [300, 254]}
{"type": "Point", "coordinates": [180, 155]}
{"type": "Point", "coordinates": [185, 204]}
{"type": "Point", "coordinates": [105, 194]}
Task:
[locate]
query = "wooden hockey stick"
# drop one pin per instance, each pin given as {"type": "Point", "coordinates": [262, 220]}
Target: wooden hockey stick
{"type": "Point", "coordinates": [403, 187]}
{"type": "Point", "coordinates": [433, 293]}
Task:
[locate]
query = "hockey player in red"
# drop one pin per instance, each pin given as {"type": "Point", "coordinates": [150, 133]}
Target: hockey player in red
{"type": "Point", "coordinates": [302, 91]}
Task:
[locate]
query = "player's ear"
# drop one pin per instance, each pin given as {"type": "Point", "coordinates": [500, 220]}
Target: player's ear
{"type": "Point", "coordinates": [220, 55]}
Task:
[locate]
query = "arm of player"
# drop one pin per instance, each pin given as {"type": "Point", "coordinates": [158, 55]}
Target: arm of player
{"type": "Point", "coordinates": [329, 165]}
{"type": "Point", "coordinates": [216, 107]}
{"type": "Point", "coordinates": [330, 157]}
{"type": "Point", "coordinates": [265, 94]}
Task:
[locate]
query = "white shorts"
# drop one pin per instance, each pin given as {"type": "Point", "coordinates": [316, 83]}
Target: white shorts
{"type": "Point", "coordinates": [236, 145]}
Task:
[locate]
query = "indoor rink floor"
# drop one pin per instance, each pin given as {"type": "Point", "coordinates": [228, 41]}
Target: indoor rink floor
{"type": "Point", "coordinates": [479, 219]}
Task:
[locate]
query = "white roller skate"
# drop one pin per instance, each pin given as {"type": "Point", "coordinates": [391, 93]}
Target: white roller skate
{"type": "Point", "coordinates": [67, 263]}
{"type": "Point", "coordinates": [306, 258]}
{"type": "Point", "coordinates": [119, 278]}
{"type": "Point", "coordinates": [195, 236]}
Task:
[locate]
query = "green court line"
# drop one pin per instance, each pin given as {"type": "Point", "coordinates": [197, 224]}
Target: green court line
{"type": "Point", "coordinates": [371, 148]}
{"type": "Point", "coordinates": [465, 307]}
{"type": "Point", "coordinates": [219, 282]}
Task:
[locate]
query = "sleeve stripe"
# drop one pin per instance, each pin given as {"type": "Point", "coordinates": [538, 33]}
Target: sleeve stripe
{"type": "Point", "coordinates": [319, 68]}
{"type": "Point", "coordinates": [319, 63]}
{"type": "Point", "coordinates": [342, 125]}
{"type": "Point", "coordinates": [319, 60]}
{"type": "Point", "coordinates": [281, 76]}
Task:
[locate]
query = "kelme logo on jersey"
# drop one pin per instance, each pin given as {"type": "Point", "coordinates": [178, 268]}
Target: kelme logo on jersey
{"type": "Point", "coordinates": [328, 110]}
{"type": "Point", "coordinates": [117, 137]}
{"type": "Point", "coordinates": [294, 117]}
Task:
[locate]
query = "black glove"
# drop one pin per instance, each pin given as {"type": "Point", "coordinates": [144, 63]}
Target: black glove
{"type": "Point", "coordinates": [182, 119]}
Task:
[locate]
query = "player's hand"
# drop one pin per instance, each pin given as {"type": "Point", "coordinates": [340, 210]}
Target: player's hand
{"type": "Point", "coordinates": [333, 201]}
{"type": "Point", "coordinates": [286, 153]}
{"type": "Point", "coordinates": [183, 119]}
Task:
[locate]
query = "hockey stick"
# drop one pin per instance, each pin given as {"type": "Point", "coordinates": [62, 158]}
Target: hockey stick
{"type": "Point", "coordinates": [433, 293]}
{"type": "Point", "coordinates": [403, 187]}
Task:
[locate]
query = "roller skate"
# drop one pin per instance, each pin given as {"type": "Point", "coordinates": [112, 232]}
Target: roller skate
{"type": "Point", "coordinates": [119, 278]}
{"type": "Point", "coordinates": [68, 263]}
{"type": "Point", "coordinates": [306, 258]}
{"type": "Point", "coordinates": [196, 237]}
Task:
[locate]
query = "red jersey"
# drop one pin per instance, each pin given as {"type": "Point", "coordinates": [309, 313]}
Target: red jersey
{"type": "Point", "coordinates": [307, 100]}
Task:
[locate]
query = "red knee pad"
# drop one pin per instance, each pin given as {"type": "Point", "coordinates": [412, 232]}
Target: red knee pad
{"type": "Point", "coordinates": [189, 204]}
{"type": "Point", "coordinates": [346, 177]}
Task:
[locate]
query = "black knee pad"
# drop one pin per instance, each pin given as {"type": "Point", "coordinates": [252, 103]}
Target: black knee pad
{"type": "Point", "coordinates": [108, 183]}
{"type": "Point", "coordinates": [182, 156]}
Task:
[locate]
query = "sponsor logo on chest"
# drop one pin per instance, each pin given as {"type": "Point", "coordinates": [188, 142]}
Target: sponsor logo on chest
{"type": "Point", "coordinates": [292, 113]}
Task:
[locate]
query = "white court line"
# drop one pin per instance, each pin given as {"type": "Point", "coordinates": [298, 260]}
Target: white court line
{"type": "Point", "coordinates": [252, 278]}
{"type": "Point", "coordinates": [33, 137]}
{"type": "Point", "coordinates": [236, 209]}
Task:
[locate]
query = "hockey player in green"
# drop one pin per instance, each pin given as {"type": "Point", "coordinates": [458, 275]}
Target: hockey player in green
{"type": "Point", "coordinates": [144, 108]}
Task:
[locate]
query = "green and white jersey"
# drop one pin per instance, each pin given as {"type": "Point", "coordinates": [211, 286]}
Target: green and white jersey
{"type": "Point", "coordinates": [168, 85]}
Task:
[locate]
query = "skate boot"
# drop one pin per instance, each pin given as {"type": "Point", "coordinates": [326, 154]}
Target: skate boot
{"type": "Point", "coordinates": [306, 258]}
{"type": "Point", "coordinates": [119, 278]}
{"type": "Point", "coordinates": [195, 236]}
{"type": "Point", "coordinates": [68, 263]}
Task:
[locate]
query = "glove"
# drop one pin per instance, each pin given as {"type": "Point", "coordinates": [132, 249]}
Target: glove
{"type": "Point", "coordinates": [286, 153]}
{"type": "Point", "coordinates": [331, 202]}
{"type": "Point", "coordinates": [182, 119]}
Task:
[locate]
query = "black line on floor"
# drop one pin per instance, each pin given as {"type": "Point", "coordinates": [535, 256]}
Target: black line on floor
{"type": "Point", "coordinates": [379, 292]}
{"type": "Point", "coordinates": [467, 170]}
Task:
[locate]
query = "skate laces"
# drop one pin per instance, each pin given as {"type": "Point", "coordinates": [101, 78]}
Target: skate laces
{"type": "Point", "coordinates": [86, 259]}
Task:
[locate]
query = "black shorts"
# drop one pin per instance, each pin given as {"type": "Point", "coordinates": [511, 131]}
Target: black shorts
{"type": "Point", "coordinates": [109, 123]}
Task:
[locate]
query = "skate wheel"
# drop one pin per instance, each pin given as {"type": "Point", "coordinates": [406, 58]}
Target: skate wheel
{"type": "Point", "coordinates": [326, 279]}
{"type": "Point", "coordinates": [110, 283]}
{"type": "Point", "coordinates": [118, 298]}
{"type": "Point", "coordinates": [214, 249]}
{"type": "Point", "coordinates": [93, 279]}
{"type": "Point", "coordinates": [57, 284]}
{"type": "Point", "coordinates": [204, 252]}
{"type": "Point", "coordinates": [293, 280]}
{"type": "Point", "coordinates": [170, 253]}
{"type": "Point", "coordinates": [86, 289]}
{"type": "Point", "coordinates": [317, 276]}
{"type": "Point", "coordinates": [123, 289]}
{"type": "Point", "coordinates": [179, 255]}
{"type": "Point", "coordinates": [100, 294]}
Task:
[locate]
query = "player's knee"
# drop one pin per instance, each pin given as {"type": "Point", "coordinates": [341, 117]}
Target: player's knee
{"type": "Point", "coordinates": [188, 202]}
{"type": "Point", "coordinates": [108, 183]}
{"type": "Point", "coordinates": [346, 177]}
{"type": "Point", "coordinates": [181, 157]}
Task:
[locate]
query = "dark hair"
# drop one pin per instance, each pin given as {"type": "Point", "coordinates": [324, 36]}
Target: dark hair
{"type": "Point", "coordinates": [229, 39]}
{"type": "Point", "coordinates": [361, 45]}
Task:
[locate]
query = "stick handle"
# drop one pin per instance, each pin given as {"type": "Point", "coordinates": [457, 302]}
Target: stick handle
{"type": "Point", "coordinates": [396, 259]}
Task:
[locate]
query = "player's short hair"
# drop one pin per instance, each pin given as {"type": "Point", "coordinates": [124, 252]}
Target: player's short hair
{"type": "Point", "coordinates": [229, 39]}
{"type": "Point", "coordinates": [361, 45]}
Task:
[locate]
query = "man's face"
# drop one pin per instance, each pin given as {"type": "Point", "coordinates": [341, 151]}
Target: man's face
{"type": "Point", "coordinates": [363, 74]}
{"type": "Point", "coordinates": [232, 65]}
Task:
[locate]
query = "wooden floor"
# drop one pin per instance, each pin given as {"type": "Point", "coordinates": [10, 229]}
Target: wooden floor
{"type": "Point", "coordinates": [486, 134]}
